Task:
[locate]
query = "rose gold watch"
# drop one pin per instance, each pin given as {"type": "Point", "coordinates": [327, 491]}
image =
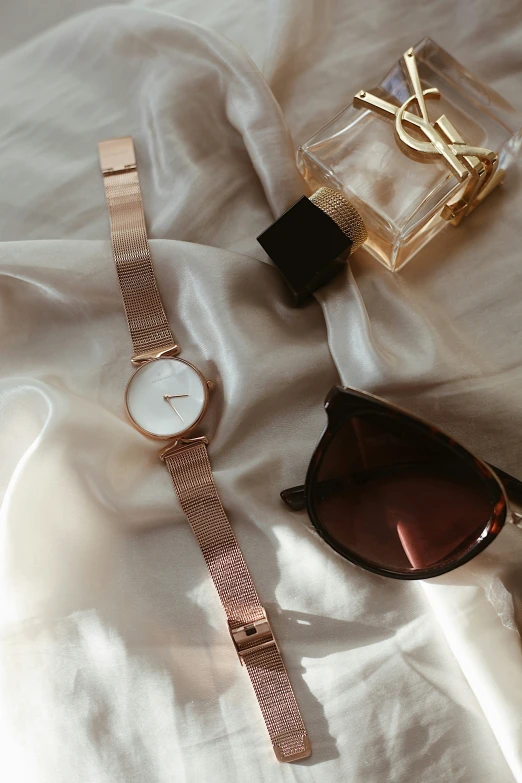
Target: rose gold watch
{"type": "Point", "coordinates": [166, 398]}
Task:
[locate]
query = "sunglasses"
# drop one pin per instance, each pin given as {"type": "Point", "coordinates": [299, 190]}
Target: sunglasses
{"type": "Point", "coordinates": [395, 495]}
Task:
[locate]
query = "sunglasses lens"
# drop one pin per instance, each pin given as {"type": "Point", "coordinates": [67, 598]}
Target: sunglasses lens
{"type": "Point", "coordinates": [399, 497]}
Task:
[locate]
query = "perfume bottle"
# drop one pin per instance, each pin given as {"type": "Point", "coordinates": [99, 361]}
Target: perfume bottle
{"type": "Point", "coordinates": [420, 151]}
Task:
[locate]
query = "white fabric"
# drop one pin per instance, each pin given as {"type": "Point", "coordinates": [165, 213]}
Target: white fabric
{"type": "Point", "coordinates": [115, 662]}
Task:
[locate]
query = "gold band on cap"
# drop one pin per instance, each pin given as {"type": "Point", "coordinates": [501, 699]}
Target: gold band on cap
{"type": "Point", "coordinates": [343, 213]}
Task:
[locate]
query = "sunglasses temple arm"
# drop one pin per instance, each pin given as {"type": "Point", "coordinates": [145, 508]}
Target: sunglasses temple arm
{"type": "Point", "coordinates": [294, 498]}
{"type": "Point", "coordinates": [511, 484]}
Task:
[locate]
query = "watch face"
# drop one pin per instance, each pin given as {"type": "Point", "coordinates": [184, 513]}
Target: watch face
{"type": "Point", "coordinates": [166, 397]}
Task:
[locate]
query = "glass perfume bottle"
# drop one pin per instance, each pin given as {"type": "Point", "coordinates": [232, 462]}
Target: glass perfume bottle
{"type": "Point", "coordinates": [421, 150]}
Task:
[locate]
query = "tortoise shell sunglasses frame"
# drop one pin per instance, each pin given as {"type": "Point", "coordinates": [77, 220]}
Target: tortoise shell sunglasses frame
{"type": "Point", "coordinates": [343, 405]}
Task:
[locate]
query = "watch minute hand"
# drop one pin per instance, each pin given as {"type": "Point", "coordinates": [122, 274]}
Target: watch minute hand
{"type": "Point", "coordinates": [169, 397]}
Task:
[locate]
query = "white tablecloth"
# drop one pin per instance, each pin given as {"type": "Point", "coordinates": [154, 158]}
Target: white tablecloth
{"type": "Point", "coordinates": [115, 662]}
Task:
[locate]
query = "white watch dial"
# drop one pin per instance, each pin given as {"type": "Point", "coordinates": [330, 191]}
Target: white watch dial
{"type": "Point", "coordinates": [166, 397]}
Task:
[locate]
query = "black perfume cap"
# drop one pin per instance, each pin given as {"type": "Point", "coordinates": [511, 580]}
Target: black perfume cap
{"type": "Point", "coordinates": [311, 241]}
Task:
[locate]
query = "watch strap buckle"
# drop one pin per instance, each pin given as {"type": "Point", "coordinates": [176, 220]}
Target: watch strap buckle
{"type": "Point", "coordinates": [252, 637]}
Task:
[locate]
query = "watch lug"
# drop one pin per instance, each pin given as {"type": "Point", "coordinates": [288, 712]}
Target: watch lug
{"type": "Point", "coordinates": [180, 444]}
{"type": "Point", "coordinates": [155, 353]}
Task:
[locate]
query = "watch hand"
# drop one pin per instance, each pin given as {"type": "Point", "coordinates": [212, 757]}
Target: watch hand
{"type": "Point", "coordinates": [169, 397]}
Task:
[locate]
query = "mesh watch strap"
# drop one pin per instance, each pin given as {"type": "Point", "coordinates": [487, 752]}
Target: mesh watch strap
{"type": "Point", "coordinates": [249, 627]}
{"type": "Point", "coordinates": [149, 329]}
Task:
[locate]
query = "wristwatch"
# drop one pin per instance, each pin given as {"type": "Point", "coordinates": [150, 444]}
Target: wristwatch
{"type": "Point", "coordinates": [166, 398]}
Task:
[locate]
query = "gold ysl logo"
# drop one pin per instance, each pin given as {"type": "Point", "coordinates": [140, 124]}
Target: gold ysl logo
{"type": "Point", "coordinates": [440, 141]}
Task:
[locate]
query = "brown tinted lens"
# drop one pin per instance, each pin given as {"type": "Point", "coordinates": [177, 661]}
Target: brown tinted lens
{"type": "Point", "coordinates": [393, 494]}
